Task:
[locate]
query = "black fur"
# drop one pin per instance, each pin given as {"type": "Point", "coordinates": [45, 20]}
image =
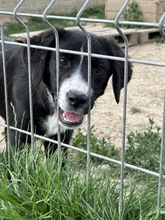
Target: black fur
{"type": "Point", "coordinates": [43, 68]}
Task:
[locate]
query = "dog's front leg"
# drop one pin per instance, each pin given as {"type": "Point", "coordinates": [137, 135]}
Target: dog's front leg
{"type": "Point", "coordinates": [50, 147]}
{"type": "Point", "coordinates": [18, 140]}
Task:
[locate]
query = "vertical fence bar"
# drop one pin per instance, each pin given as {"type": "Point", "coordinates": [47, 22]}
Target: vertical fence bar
{"type": "Point", "coordinates": [160, 185]}
{"type": "Point", "coordinates": [89, 83]}
{"type": "Point", "coordinates": [161, 25]}
{"type": "Point", "coordinates": [121, 205]}
{"type": "Point", "coordinates": [57, 69]}
{"type": "Point", "coordinates": [29, 70]}
{"type": "Point", "coordinates": [6, 98]}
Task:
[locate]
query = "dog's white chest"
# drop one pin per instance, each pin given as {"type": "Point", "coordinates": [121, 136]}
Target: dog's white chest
{"type": "Point", "coordinates": [50, 125]}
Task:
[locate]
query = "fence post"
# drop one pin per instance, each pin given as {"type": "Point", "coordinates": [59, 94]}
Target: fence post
{"type": "Point", "coordinates": [160, 185]}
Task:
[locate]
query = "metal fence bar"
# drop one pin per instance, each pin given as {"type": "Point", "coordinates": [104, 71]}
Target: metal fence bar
{"type": "Point", "coordinates": [89, 82]}
{"type": "Point", "coordinates": [160, 185]}
{"type": "Point", "coordinates": [121, 205]}
{"type": "Point", "coordinates": [85, 151]}
{"type": "Point", "coordinates": [161, 169]}
{"type": "Point", "coordinates": [29, 69]}
{"type": "Point", "coordinates": [45, 19]}
{"type": "Point", "coordinates": [92, 20]}
{"type": "Point", "coordinates": [146, 62]}
{"type": "Point", "coordinates": [6, 98]}
{"type": "Point", "coordinates": [161, 25]}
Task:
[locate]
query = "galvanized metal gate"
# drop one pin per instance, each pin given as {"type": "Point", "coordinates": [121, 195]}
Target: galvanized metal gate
{"type": "Point", "coordinates": [79, 19]}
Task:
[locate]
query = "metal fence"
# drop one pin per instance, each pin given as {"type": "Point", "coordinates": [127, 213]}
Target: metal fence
{"type": "Point", "coordinates": [78, 19]}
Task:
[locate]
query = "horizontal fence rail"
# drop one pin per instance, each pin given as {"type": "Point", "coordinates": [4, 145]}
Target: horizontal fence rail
{"type": "Point", "coordinates": [19, 17]}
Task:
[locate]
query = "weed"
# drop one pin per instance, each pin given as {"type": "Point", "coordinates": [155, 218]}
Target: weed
{"type": "Point", "coordinates": [159, 40]}
{"type": "Point", "coordinates": [143, 148]}
{"type": "Point", "coordinates": [101, 146]}
{"type": "Point", "coordinates": [132, 13]}
{"type": "Point", "coordinates": [135, 110]}
{"type": "Point", "coordinates": [97, 12]}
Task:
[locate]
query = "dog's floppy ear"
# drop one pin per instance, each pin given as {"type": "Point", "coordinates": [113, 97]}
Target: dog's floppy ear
{"type": "Point", "coordinates": [117, 68]}
{"type": "Point", "coordinates": [40, 57]}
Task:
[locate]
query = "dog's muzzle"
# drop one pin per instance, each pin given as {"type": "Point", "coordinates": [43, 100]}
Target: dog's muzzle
{"type": "Point", "coordinates": [73, 116]}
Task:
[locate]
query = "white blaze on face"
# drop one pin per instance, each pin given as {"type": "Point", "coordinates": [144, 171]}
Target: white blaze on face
{"type": "Point", "coordinates": [75, 82]}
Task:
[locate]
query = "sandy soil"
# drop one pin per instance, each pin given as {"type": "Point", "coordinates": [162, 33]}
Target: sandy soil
{"type": "Point", "coordinates": [145, 93]}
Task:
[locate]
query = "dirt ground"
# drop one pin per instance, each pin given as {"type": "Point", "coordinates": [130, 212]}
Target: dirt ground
{"type": "Point", "coordinates": [145, 93]}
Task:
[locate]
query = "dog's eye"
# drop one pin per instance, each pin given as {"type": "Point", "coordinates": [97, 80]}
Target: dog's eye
{"type": "Point", "coordinates": [99, 68]}
{"type": "Point", "coordinates": [64, 61]}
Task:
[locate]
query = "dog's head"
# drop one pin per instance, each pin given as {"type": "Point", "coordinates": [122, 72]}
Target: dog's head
{"type": "Point", "coordinates": [73, 95]}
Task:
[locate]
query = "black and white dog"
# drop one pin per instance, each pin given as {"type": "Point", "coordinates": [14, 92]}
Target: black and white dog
{"type": "Point", "coordinates": [72, 99]}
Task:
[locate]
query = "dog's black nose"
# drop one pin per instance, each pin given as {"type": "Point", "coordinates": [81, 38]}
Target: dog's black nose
{"type": "Point", "coordinates": [76, 98]}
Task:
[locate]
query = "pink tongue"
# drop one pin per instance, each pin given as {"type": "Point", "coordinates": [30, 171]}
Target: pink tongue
{"type": "Point", "coordinates": [72, 117]}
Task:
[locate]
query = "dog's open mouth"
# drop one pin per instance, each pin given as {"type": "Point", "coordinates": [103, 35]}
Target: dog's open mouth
{"type": "Point", "coordinates": [70, 119]}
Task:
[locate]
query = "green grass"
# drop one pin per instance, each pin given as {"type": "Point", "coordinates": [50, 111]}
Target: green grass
{"type": "Point", "coordinates": [41, 190]}
{"type": "Point", "coordinates": [144, 147]}
{"type": "Point", "coordinates": [37, 189]}
{"type": "Point", "coordinates": [35, 24]}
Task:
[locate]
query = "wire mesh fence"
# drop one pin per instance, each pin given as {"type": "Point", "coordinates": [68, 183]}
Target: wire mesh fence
{"type": "Point", "coordinates": [79, 19]}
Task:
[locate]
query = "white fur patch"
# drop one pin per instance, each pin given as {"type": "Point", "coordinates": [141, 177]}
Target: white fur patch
{"type": "Point", "coordinates": [76, 83]}
{"type": "Point", "coordinates": [51, 125]}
